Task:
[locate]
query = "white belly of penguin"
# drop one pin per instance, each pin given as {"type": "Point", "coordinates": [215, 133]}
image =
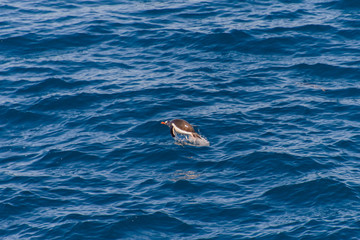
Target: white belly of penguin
{"type": "Point", "coordinates": [180, 130]}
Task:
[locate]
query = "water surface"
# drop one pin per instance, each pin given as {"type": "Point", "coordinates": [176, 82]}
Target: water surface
{"type": "Point", "coordinates": [273, 85]}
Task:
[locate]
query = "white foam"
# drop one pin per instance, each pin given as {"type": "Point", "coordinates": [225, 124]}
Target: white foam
{"type": "Point", "coordinates": [183, 139]}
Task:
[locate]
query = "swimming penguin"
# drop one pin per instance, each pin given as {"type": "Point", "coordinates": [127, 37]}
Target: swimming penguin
{"type": "Point", "coordinates": [182, 127]}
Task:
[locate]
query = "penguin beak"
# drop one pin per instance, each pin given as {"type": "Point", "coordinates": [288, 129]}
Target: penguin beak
{"type": "Point", "coordinates": [163, 123]}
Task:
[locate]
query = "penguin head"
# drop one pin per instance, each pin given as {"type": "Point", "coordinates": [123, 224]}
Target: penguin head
{"type": "Point", "coordinates": [166, 123]}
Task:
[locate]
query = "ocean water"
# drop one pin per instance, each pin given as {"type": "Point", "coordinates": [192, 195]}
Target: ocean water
{"type": "Point", "coordinates": [273, 85]}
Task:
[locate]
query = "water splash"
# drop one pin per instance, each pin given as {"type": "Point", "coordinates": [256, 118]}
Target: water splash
{"type": "Point", "coordinates": [182, 139]}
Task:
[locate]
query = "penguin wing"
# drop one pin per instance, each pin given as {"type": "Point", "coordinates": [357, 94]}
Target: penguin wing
{"type": "Point", "coordinates": [195, 135]}
{"type": "Point", "coordinates": [172, 131]}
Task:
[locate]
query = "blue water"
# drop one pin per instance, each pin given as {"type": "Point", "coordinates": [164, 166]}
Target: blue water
{"type": "Point", "coordinates": [272, 84]}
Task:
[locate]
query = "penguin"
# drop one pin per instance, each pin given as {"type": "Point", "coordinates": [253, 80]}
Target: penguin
{"type": "Point", "coordinates": [181, 126]}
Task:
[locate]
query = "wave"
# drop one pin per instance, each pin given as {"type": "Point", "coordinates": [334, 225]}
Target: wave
{"type": "Point", "coordinates": [323, 191]}
{"type": "Point", "coordinates": [50, 84]}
